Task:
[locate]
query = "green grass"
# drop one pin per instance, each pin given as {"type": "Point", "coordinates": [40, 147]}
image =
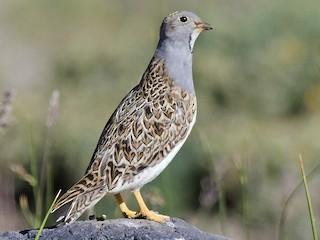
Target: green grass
{"type": "Point", "coordinates": [241, 170]}
{"type": "Point", "coordinates": [292, 196]}
{"type": "Point", "coordinates": [43, 223]}
{"type": "Point", "coordinates": [39, 178]}
{"type": "Point", "coordinates": [310, 208]}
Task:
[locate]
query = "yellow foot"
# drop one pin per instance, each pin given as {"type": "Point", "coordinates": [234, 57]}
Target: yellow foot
{"type": "Point", "coordinates": [146, 213]}
{"type": "Point", "coordinates": [150, 215]}
{"type": "Point", "coordinates": [129, 214]}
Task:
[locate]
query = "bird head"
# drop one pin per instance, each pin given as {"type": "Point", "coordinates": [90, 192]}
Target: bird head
{"type": "Point", "coordinates": [183, 26]}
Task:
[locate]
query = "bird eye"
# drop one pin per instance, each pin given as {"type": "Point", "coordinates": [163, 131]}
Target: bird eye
{"type": "Point", "coordinates": [183, 19]}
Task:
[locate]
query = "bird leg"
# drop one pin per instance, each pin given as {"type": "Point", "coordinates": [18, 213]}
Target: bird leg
{"type": "Point", "coordinates": [127, 213]}
{"type": "Point", "coordinates": [144, 212]}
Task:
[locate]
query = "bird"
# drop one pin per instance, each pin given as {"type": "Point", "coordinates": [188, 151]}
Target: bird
{"type": "Point", "coordinates": [148, 127]}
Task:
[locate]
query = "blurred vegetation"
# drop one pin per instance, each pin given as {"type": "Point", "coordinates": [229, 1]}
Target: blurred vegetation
{"type": "Point", "coordinates": [257, 78]}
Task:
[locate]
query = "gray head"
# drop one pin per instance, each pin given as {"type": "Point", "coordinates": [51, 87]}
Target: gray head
{"type": "Point", "coordinates": [178, 33]}
{"type": "Point", "coordinates": [182, 26]}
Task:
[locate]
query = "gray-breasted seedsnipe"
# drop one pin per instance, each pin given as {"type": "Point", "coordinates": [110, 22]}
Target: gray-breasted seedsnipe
{"type": "Point", "coordinates": [148, 127]}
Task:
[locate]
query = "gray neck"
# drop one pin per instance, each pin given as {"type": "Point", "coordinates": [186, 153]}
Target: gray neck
{"type": "Point", "coordinates": [178, 62]}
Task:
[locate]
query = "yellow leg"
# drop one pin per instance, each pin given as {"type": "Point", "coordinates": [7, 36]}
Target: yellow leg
{"type": "Point", "coordinates": [127, 213]}
{"type": "Point", "coordinates": [146, 213]}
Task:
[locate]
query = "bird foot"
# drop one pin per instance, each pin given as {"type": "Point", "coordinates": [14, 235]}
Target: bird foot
{"type": "Point", "coordinates": [144, 212]}
{"type": "Point", "coordinates": [153, 216]}
{"type": "Point", "coordinates": [129, 214]}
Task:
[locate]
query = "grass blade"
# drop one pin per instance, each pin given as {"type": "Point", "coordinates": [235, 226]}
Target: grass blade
{"type": "Point", "coordinates": [244, 194]}
{"type": "Point", "coordinates": [47, 215]}
{"type": "Point", "coordinates": [312, 219]}
{"type": "Point", "coordinates": [281, 234]}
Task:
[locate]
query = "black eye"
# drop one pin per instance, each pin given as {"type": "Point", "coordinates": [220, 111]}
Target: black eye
{"type": "Point", "coordinates": [183, 19]}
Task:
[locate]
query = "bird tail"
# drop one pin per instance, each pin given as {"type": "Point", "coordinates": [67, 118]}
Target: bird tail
{"type": "Point", "coordinates": [81, 197]}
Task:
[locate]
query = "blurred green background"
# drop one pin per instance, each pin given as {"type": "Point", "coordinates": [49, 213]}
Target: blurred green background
{"type": "Point", "coordinates": [257, 78]}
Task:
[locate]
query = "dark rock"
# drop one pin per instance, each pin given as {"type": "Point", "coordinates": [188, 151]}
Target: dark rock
{"type": "Point", "coordinates": [135, 229]}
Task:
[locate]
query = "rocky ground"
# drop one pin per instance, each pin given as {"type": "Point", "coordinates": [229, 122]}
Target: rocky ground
{"type": "Point", "coordinates": [137, 229]}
